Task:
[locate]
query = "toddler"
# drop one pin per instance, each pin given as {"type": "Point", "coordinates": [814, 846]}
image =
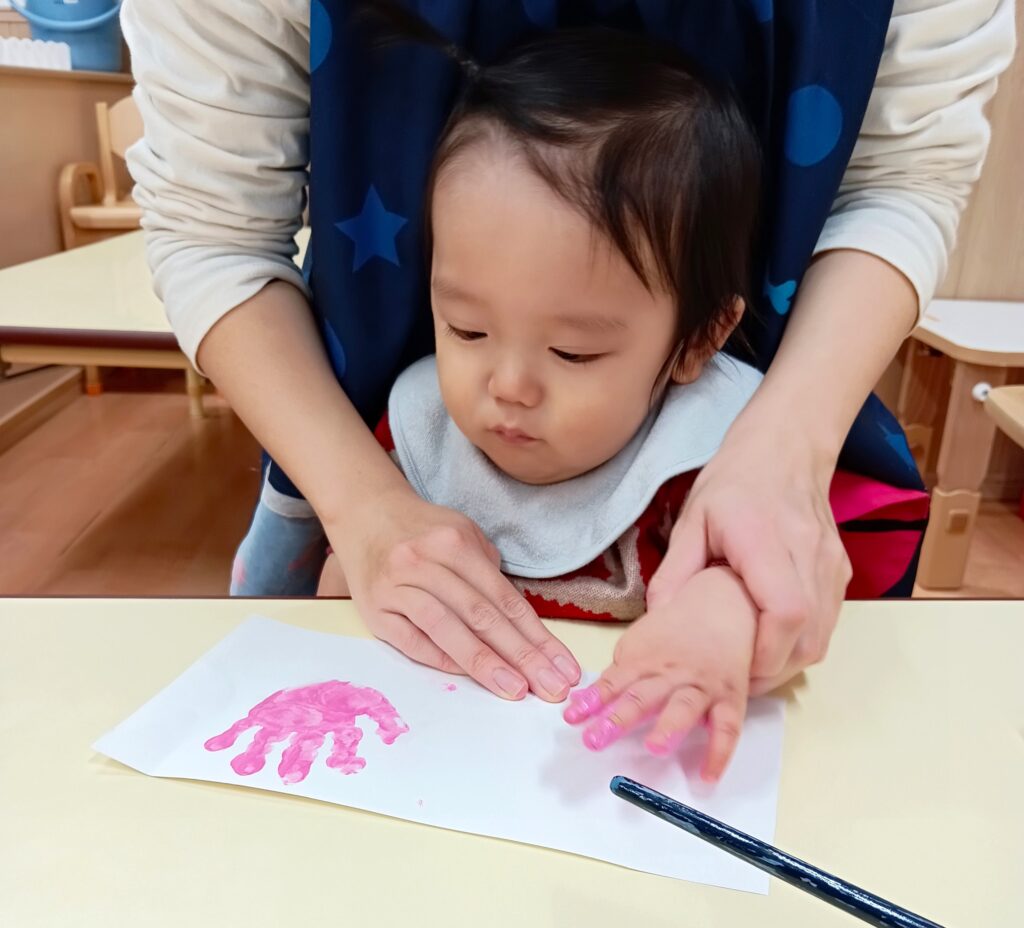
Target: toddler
{"type": "Point", "coordinates": [590, 217]}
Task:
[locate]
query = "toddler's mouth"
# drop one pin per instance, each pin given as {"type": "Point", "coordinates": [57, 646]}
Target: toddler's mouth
{"type": "Point", "coordinates": [513, 436]}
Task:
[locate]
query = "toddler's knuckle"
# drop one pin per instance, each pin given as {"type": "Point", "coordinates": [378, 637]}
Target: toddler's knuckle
{"type": "Point", "coordinates": [820, 650]}
{"type": "Point", "coordinates": [688, 699]}
{"type": "Point", "coordinates": [608, 686]}
{"type": "Point", "coordinates": [793, 615]}
{"type": "Point", "coordinates": [638, 701]}
{"type": "Point", "coordinates": [727, 726]}
{"type": "Point", "coordinates": [807, 651]}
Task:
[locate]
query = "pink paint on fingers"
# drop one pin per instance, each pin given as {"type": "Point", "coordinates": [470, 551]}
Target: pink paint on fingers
{"type": "Point", "coordinates": [602, 733]}
{"type": "Point", "coordinates": [306, 715]}
{"type": "Point", "coordinates": [582, 705]}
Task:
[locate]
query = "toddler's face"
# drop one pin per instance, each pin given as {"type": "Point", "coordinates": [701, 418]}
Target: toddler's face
{"type": "Point", "coordinates": [548, 344]}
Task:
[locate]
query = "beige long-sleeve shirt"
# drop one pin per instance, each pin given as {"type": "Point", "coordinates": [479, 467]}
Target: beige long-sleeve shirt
{"type": "Point", "coordinates": [223, 88]}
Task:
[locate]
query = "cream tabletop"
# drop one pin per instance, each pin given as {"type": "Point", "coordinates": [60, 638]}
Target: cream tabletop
{"type": "Point", "coordinates": [903, 772]}
{"type": "Point", "coordinates": [101, 287]}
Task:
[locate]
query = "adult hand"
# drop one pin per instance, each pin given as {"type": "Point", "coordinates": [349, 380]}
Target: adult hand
{"type": "Point", "coordinates": [427, 581]}
{"type": "Point", "coordinates": [761, 504]}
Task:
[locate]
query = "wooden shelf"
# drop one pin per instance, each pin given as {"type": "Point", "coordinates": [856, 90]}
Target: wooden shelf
{"type": "Point", "coordinates": [109, 77]}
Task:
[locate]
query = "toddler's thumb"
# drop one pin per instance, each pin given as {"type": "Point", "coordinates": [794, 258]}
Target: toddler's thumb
{"type": "Point", "coordinates": [687, 555]}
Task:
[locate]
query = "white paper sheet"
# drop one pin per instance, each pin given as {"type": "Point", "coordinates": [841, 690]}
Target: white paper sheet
{"type": "Point", "coordinates": [468, 761]}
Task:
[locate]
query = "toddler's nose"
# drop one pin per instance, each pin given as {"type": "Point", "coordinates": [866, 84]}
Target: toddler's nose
{"type": "Point", "coordinates": [513, 383]}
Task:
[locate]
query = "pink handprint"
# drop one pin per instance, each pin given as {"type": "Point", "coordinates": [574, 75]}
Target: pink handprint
{"type": "Point", "coordinates": [308, 714]}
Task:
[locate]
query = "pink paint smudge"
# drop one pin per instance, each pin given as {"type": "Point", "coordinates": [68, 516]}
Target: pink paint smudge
{"type": "Point", "coordinates": [307, 714]}
{"type": "Point", "coordinates": [451, 687]}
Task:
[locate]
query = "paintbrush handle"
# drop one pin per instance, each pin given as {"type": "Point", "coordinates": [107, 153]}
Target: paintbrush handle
{"type": "Point", "coordinates": [852, 899]}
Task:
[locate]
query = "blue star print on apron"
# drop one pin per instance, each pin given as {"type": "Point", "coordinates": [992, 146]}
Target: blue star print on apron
{"type": "Point", "coordinates": [804, 70]}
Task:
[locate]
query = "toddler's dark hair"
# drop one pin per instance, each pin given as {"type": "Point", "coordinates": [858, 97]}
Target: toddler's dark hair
{"type": "Point", "coordinates": [624, 129]}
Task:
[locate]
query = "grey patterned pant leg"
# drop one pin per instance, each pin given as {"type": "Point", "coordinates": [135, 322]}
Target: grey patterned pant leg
{"type": "Point", "coordinates": [283, 552]}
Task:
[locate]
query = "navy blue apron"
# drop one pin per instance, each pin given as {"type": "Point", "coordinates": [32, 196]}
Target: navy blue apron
{"type": "Point", "coordinates": [803, 69]}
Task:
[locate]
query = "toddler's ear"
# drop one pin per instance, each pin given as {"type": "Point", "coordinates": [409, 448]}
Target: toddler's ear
{"type": "Point", "coordinates": [690, 364]}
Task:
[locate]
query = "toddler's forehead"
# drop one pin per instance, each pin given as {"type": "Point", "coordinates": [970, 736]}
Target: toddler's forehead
{"type": "Point", "coordinates": [492, 194]}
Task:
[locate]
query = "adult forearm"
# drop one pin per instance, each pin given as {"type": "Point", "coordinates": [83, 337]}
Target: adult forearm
{"type": "Point", "coordinates": [851, 314]}
{"type": "Point", "coordinates": [267, 359]}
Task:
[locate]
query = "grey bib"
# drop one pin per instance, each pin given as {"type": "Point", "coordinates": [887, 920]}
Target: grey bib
{"type": "Point", "coordinates": [548, 531]}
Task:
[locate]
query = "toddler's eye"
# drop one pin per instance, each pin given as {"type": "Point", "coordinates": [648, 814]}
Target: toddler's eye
{"type": "Point", "coordinates": [464, 335]}
{"type": "Point", "coordinates": [575, 358]}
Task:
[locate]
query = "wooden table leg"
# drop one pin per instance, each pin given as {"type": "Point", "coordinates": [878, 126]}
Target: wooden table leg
{"type": "Point", "coordinates": [194, 386]}
{"type": "Point", "coordinates": [963, 462]}
{"type": "Point", "coordinates": [93, 383]}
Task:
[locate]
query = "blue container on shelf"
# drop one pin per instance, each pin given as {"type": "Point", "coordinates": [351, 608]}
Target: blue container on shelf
{"type": "Point", "coordinates": [90, 28]}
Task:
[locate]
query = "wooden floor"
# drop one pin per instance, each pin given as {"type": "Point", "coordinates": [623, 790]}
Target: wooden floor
{"type": "Point", "coordinates": [124, 494]}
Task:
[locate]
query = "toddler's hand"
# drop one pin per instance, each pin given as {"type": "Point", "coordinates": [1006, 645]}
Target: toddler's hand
{"type": "Point", "coordinates": [685, 660]}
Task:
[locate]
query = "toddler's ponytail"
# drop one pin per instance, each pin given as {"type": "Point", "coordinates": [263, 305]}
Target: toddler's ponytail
{"type": "Point", "coordinates": [393, 24]}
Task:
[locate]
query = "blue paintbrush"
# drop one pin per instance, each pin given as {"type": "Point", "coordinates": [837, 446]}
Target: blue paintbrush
{"type": "Point", "coordinates": [858, 902]}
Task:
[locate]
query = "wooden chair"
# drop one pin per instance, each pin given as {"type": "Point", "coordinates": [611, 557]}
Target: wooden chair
{"type": "Point", "coordinates": [985, 341]}
{"type": "Point", "coordinates": [1005, 407]}
{"type": "Point", "coordinates": [107, 209]}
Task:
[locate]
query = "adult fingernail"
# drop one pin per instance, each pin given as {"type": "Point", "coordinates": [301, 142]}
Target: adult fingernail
{"type": "Point", "coordinates": [567, 669]}
{"type": "Point", "coordinates": [552, 683]}
{"type": "Point", "coordinates": [511, 685]}
{"type": "Point", "coordinates": [602, 733]}
{"type": "Point", "coordinates": [582, 704]}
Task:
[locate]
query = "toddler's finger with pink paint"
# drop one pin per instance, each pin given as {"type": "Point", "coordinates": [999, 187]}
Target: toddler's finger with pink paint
{"type": "Point", "coordinates": [639, 701]}
{"type": "Point", "coordinates": [587, 702]}
{"type": "Point", "coordinates": [583, 703]}
{"type": "Point", "coordinates": [724, 723]}
{"type": "Point", "coordinates": [684, 708]}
